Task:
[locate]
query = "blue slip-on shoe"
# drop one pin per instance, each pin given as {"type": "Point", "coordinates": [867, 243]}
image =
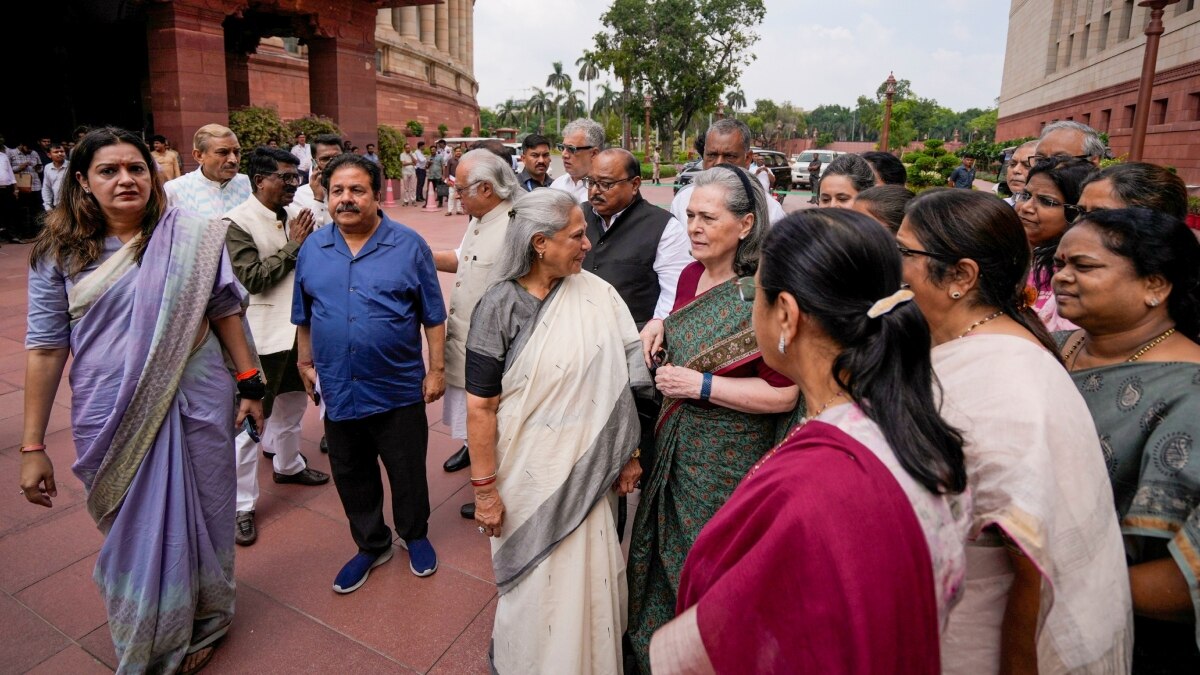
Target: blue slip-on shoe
{"type": "Point", "coordinates": [422, 559]}
{"type": "Point", "coordinates": [355, 572]}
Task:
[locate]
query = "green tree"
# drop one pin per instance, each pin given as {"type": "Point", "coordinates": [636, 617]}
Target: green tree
{"type": "Point", "coordinates": [607, 102]}
{"type": "Point", "coordinates": [509, 113]}
{"type": "Point", "coordinates": [539, 104]}
{"type": "Point", "coordinates": [391, 145]}
{"type": "Point", "coordinates": [415, 128]}
{"type": "Point", "coordinates": [588, 72]}
{"type": "Point", "coordinates": [561, 82]}
{"type": "Point", "coordinates": [736, 99]}
{"type": "Point", "coordinates": [984, 124]}
{"type": "Point", "coordinates": [312, 126]}
{"type": "Point", "coordinates": [684, 52]}
{"type": "Point", "coordinates": [255, 126]}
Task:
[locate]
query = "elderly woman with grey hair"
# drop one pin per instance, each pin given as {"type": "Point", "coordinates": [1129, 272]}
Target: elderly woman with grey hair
{"type": "Point", "coordinates": [552, 355]}
{"type": "Point", "coordinates": [721, 404]}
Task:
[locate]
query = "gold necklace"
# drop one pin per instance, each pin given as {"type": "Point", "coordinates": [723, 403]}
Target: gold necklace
{"type": "Point", "coordinates": [805, 420]}
{"type": "Point", "coordinates": [980, 322]}
{"type": "Point", "coordinates": [1136, 355]}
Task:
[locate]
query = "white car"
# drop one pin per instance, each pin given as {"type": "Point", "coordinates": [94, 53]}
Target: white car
{"type": "Point", "coordinates": [801, 161]}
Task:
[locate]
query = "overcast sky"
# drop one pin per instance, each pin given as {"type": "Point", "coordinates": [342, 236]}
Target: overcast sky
{"type": "Point", "coordinates": [810, 52]}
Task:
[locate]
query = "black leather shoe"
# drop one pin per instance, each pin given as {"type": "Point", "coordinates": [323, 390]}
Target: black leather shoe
{"type": "Point", "coordinates": [467, 511]}
{"type": "Point", "coordinates": [324, 445]}
{"type": "Point", "coordinates": [306, 476]}
{"type": "Point", "coordinates": [458, 461]}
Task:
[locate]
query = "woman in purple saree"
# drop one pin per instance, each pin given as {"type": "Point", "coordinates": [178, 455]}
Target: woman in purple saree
{"type": "Point", "coordinates": [144, 299]}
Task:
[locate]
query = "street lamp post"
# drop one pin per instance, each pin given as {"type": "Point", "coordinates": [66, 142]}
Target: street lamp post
{"type": "Point", "coordinates": [646, 103]}
{"type": "Point", "coordinates": [720, 109]}
{"type": "Point", "coordinates": [1141, 114]}
{"type": "Point", "coordinates": [889, 93]}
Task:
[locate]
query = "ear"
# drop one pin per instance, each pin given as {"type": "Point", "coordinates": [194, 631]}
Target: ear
{"type": "Point", "coordinates": [787, 312]}
{"type": "Point", "coordinates": [637, 183]}
{"type": "Point", "coordinates": [1157, 288]}
{"type": "Point", "coordinates": [965, 275]}
{"type": "Point", "coordinates": [81, 179]}
{"type": "Point", "coordinates": [538, 242]}
{"type": "Point", "coordinates": [747, 224]}
{"type": "Point", "coordinates": [196, 155]}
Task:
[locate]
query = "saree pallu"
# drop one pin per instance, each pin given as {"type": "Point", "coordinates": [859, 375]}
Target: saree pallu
{"type": "Point", "coordinates": [1147, 421]}
{"type": "Point", "coordinates": [566, 426]}
{"type": "Point", "coordinates": [701, 454]}
{"type": "Point", "coordinates": [1037, 474]}
{"type": "Point", "coordinates": [152, 418]}
{"type": "Point", "coordinates": [798, 573]}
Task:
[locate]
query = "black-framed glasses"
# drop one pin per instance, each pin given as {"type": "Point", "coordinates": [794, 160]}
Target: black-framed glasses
{"type": "Point", "coordinates": [1080, 213]}
{"type": "Point", "coordinates": [604, 185]}
{"type": "Point", "coordinates": [563, 147]}
{"type": "Point", "coordinates": [907, 252]}
{"type": "Point", "coordinates": [1071, 211]}
{"type": "Point", "coordinates": [288, 178]}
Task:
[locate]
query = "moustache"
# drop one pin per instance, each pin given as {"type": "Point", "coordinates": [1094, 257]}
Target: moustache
{"type": "Point", "coordinates": [347, 208]}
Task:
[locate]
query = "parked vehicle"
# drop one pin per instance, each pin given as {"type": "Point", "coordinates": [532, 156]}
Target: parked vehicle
{"type": "Point", "coordinates": [777, 162]}
{"type": "Point", "coordinates": [800, 165]}
{"type": "Point", "coordinates": [689, 171]}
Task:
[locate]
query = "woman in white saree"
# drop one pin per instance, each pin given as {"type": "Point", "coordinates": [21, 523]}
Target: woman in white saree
{"type": "Point", "coordinates": [552, 354]}
{"type": "Point", "coordinates": [1046, 591]}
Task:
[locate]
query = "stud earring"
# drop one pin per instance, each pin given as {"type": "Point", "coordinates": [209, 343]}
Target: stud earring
{"type": "Point", "coordinates": [1153, 302]}
{"type": "Point", "coordinates": [956, 295]}
{"type": "Point", "coordinates": [87, 191]}
{"type": "Point", "coordinates": [782, 345]}
{"type": "Point", "coordinates": [541, 255]}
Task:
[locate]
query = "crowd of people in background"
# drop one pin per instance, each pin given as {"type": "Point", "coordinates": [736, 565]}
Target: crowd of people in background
{"type": "Point", "coordinates": [945, 432]}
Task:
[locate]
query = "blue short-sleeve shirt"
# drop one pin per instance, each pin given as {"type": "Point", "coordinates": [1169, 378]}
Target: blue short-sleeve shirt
{"type": "Point", "coordinates": [365, 315]}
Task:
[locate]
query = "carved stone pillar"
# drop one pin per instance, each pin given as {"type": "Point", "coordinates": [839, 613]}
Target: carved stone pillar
{"type": "Point", "coordinates": [443, 27]}
{"type": "Point", "coordinates": [428, 23]}
{"type": "Point", "coordinates": [470, 55]}
{"type": "Point", "coordinates": [454, 10]}
{"type": "Point", "coordinates": [410, 23]}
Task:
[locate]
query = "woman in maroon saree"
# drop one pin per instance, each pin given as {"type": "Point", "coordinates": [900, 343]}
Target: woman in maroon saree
{"type": "Point", "coordinates": [841, 550]}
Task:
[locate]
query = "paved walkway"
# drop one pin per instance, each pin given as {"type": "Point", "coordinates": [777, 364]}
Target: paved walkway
{"type": "Point", "coordinates": [288, 618]}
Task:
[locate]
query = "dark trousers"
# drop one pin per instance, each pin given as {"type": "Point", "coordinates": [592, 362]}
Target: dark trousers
{"type": "Point", "coordinates": [421, 185]}
{"type": "Point", "coordinates": [9, 222]}
{"type": "Point", "coordinates": [29, 208]}
{"type": "Point", "coordinates": [399, 438]}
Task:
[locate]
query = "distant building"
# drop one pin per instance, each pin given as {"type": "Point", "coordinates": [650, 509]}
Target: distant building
{"type": "Point", "coordinates": [1081, 60]}
{"type": "Point", "coordinates": [169, 67]}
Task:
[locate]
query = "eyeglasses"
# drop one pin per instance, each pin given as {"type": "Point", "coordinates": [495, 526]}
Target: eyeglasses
{"type": "Point", "coordinates": [910, 252]}
{"type": "Point", "coordinates": [1071, 211]}
{"type": "Point", "coordinates": [746, 288]}
{"type": "Point", "coordinates": [603, 185]}
{"type": "Point", "coordinates": [288, 178]}
{"type": "Point", "coordinates": [563, 147]}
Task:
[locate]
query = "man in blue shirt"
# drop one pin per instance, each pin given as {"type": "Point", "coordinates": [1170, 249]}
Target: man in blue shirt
{"type": "Point", "coordinates": [364, 291]}
{"type": "Point", "coordinates": [963, 176]}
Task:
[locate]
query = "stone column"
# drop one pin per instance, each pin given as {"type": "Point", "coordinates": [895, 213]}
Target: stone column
{"type": "Point", "coordinates": [428, 22]}
{"type": "Point", "coordinates": [443, 27]}
{"type": "Point", "coordinates": [186, 46]}
{"type": "Point", "coordinates": [470, 55]}
{"type": "Point", "coordinates": [455, 13]}
{"type": "Point", "coordinates": [410, 23]}
{"type": "Point", "coordinates": [464, 10]}
{"type": "Point", "coordinates": [341, 85]}
{"type": "Point", "coordinates": [397, 19]}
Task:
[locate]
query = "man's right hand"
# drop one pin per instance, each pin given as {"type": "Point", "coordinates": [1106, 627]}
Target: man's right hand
{"type": "Point", "coordinates": [308, 375]}
{"type": "Point", "coordinates": [301, 226]}
{"type": "Point", "coordinates": [314, 182]}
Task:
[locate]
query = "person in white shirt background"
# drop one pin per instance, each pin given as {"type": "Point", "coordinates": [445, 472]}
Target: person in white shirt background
{"type": "Point", "coordinates": [52, 176]}
{"type": "Point", "coordinates": [582, 140]}
{"type": "Point", "coordinates": [304, 154]}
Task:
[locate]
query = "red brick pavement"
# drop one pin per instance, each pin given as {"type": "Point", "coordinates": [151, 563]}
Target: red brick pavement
{"type": "Point", "coordinates": [288, 618]}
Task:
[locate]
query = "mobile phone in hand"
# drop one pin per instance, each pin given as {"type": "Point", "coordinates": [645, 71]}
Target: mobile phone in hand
{"type": "Point", "coordinates": [251, 429]}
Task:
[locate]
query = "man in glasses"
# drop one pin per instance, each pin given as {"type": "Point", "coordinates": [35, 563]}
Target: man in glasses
{"type": "Point", "coordinates": [582, 140]}
{"type": "Point", "coordinates": [727, 141]}
{"type": "Point", "coordinates": [265, 234]}
{"type": "Point", "coordinates": [1018, 170]}
{"type": "Point", "coordinates": [1069, 139]}
{"type": "Point", "coordinates": [311, 195]}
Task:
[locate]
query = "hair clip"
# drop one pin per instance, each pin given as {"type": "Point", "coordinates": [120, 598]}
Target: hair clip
{"type": "Point", "coordinates": [512, 213]}
{"type": "Point", "coordinates": [889, 303]}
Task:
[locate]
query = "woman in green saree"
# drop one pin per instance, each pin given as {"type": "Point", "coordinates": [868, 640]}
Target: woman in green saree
{"type": "Point", "coordinates": [1130, 279]}
{"type": "Point", "coordinates": [721, 403]}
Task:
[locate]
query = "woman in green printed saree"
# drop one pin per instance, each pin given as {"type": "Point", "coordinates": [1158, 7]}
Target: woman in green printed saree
{"type": "Point", "coordinates": [721, 403]}
{"type": "Point", "coordinates": [1130, 279]}
{"type": "Point", "coordinates": [144, 300]}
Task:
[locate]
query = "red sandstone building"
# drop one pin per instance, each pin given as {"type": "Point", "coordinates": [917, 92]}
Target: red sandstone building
{"type": "Point", "coordinates": [1081, 60]}
{"type": "Point", "coordinates": [169, 67]}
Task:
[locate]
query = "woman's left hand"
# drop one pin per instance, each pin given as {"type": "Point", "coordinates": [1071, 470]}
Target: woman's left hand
{"type": "Point", "coordinates": [631, 473]}
{"type": "Point", "coordinates": [253, 409]}
{"type": "Point", "coordinates": [677, 382]}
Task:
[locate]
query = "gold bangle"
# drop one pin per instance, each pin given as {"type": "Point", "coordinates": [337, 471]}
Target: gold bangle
{"type": "Point", "coordinates": [636, 453]}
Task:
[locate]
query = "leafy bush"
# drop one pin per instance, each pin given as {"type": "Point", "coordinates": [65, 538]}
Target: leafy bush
{"type": "Point", "coordinates": [948, 161]}
{"type": "Point", "coordinates": [925, 163]}
{"type": "Point", "coordinates": [1194, 206]}
{"type": "Point", "coordinates": [468, 131]}
{"type": "Point", "coordinates": [312, 126]}
{"type": "Point", "coordinates": [823, 139]}
{"type": "Point", "coordinates": [910, 157]}
{"type": "Point", "coordinates": [254, 127]}
{"type": "Point", "coordinates": [443, 130]}
{"type": "Point", "coordinates": [415, 128]}
{"type": "Point", "coordinates": [664, 170]}
{"type": "Point", "coordinates": [391, 145]}
{"type": "Point", "coordinates": [934, 144]}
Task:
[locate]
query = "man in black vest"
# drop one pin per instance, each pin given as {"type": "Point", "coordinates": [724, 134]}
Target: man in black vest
{"type": "Point", "coordinates": [637, 247]}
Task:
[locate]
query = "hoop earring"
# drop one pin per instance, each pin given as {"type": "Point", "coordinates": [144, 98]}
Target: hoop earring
{"type": "Point", "coordinates": [782, 345]}
{"type": "Point", "coordinates": [956, 295]}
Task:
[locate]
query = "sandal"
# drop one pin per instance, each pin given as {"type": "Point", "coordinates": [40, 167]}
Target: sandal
{"type": "Point", "coordinates": [195, 661]}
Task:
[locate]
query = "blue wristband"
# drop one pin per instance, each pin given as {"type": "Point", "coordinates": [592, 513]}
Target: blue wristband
{"type": "Point", "coordinates": [706, 387]}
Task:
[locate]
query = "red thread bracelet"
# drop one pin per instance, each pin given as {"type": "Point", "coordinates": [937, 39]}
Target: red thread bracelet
{"type": "Point", "coordinates": [241, 377]}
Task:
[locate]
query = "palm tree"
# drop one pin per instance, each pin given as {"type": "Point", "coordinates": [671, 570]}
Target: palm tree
{"type": "Point", "coordinates": [539, 104]}
{"type": "Point", "coordinates": [736, 99]}
{"type": "Point", "coordinates": [509, 112]}
{"type": "Point", "coordinates": [562, 82]}
{"type": "Point", "coordinates": [573, 102]}
{"type": "Point", "coordinates": [607, 101]}
{"type": "Point", "coordinates": [588, 71]}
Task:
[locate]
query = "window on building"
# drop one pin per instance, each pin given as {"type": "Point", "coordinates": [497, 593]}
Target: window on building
{"type": "Point", "coordinates": [1102, 36]}
{"type": "Point", "coordinates": [1083, 43]}
{"type": "Point", "coordinates": [1105, 120]}
{"type": "Point", "coordinates": [1158, 111]}
{"type": "Point", "coordinates": [1052, 60]}
{"type": "Point", "coordinates": [1193, 109]}
{"type": "Point", "coordinates": [1087, 119]}
{"type": "Point", "coordinates": [1185, 6]}
{"type": "Point", "coordinates": [1070, 48]}
{"type": "Point", "coordinates": [379, 60]}
{"type": "Point", "coordinates": [1126, 20]}
{"type": "Point", "coordinates": [1130, 113]}
{"type": "Point", "coordinates": [291, 45]}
